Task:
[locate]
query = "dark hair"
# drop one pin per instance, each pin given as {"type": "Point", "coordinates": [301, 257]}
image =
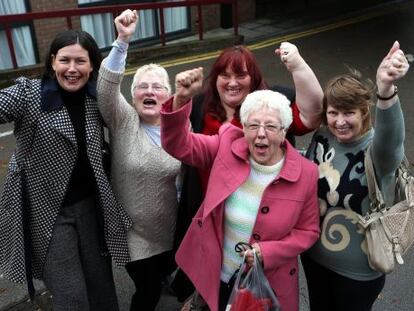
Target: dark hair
{"type": "Point", "coordinates": [349, 91]}
{"type": "Point", "coordinates": [235, 57]}
{"type": "Point", "coordinates": [70, 37]}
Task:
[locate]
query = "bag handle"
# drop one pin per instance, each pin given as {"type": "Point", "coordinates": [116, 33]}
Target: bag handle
{"type": "Point", "coordinates": [374, 193]}
{"type": "Point", "coordinates": [405, 179]}
{"type": "Point", "coordinates": [247, 276]}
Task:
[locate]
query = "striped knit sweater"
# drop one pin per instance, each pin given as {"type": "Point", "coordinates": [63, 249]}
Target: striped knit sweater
{"type": "Point", "coordinates": [240, 213]}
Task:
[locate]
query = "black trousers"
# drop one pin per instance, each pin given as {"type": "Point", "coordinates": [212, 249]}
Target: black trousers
{"type": "Point", "coordinates": [329, 291]}
{"type": "Point", "coordinates": [148, 275]}
{"type": "Point", "coordinates": [224, 295]}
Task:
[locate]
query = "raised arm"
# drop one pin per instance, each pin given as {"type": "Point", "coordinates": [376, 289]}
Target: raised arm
{"type": "Point", "coordinates": [176, 137]}
{"type": "Point", "coordinates": [112, 69]}
{"type": "Point", "coordinates": [389, 121]}
{"type": "Point", "coordinates": [125, 25]}
{"type": "Point", "coordinates": [309, 93]}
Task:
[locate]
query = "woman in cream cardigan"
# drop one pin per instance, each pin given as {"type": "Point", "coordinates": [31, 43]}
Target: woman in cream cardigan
{"type": "Point", "coordinates": [143, 175]}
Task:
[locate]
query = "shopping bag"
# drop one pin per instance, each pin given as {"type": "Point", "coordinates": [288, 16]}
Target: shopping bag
{"type": "Point", "coordinates": [251, 290]}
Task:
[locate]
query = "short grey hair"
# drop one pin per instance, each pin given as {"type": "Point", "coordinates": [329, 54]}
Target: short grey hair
{"type": "Point", "coordinates": [275, 101]}
{"type": "Point", "coordinates": [158, 70]}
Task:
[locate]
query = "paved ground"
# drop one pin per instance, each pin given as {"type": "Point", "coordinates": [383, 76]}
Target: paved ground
{"type": "Point", "coordinates": [361, 43]}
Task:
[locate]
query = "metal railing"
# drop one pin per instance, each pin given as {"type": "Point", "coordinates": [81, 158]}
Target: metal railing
{"type": "Point", "coordinates": [7, 20]}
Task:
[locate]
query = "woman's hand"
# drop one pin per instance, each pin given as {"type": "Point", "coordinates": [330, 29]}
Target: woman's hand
{"type": "Point", "coordinates": [187, 84]}
{"type": "Point", "coordinates": [125, 24]}
{"type": "Point", "coordinates": [289, 55]}
{"type": "Point", "coordinates": [393, 67]}
{"type": "Point", "coordinates": [250, 255]}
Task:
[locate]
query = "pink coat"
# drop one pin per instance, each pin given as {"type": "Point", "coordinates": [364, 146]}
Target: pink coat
{"type": "Point", "coordinates": [287, 222]}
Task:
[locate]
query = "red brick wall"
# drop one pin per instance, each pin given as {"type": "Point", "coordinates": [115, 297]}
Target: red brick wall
{"type": "Point", "coordinates": [212, 17]}
{"type": "Point", "coordinates": [247, 10]}
{"type": "Point", "coordinates": [46, 29]}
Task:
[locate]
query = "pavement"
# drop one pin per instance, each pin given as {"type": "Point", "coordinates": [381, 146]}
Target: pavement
{"type": "Point", "coordinates": [13, 297]}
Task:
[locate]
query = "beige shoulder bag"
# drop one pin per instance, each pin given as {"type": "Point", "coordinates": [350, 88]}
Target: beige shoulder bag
{"type": "Point", "coordinates": [389, 231]}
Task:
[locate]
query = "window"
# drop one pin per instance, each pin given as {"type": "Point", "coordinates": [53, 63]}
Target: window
{"type": "Point", "coordinates": [100, 26]}
{"type": "Point", "coordinates": [21, 34]}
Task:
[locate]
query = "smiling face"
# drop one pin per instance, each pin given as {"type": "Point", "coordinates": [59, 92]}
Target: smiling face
{"type": "Point", "coordinates": [345, 125]}
{"type": "Point", "coordinates": [72, 67]}
{"type": "Point", "coordinates": [148, 96]}
{"type": "Point", "coordinates": [233, 87]}
{"type": "Point", "coordinates": [265, 136]}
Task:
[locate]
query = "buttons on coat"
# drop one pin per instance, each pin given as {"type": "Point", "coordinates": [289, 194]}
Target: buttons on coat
{"type": "Point", "coordinates": [292, 271]}
{"type": "Point", "coordinates": [256, 236]}
{"type": "Point", "coordinates": [265, 209]}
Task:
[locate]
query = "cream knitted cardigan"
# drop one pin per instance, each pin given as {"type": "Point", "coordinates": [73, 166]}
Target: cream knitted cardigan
{"type": "Point", "coordinates": [142, 174]}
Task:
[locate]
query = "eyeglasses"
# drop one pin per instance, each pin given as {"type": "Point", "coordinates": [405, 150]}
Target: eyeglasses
{"type": "Point", "coordinates": [155, 87]}
{"type": "Point", "coordinates": [269, 128]}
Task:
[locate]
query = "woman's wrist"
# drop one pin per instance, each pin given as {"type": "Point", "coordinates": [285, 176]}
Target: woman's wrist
{"type": "Point", "coordinates": [387, 94]}
{"type": "Point", "coordinates": [123, 39]}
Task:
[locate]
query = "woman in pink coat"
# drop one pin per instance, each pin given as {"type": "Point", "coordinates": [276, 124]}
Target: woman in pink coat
{"type": "Point", "coordinates": [261, 191]}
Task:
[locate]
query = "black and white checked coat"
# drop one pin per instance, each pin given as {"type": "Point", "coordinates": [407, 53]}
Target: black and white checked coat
{"type": "Point", "coordinates": [46, 139]}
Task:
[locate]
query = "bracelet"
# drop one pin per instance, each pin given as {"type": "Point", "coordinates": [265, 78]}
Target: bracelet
{"type": "Point", "coordinates": [389, 97]}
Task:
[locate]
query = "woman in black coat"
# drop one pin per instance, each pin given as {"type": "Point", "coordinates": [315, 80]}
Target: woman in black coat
{"type": "Point", "coordinates": [59, 220]}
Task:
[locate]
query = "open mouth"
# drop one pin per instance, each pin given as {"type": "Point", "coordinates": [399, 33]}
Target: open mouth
{"type": "Point", "coordinates": [260, 147]}
{"type": "Point", "coordinates": [149, 102]}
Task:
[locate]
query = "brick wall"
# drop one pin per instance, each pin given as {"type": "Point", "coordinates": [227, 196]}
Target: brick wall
{"type": "Point", "coordinates": [46, 29]}
{"type": "Point", "coordinates": [247, 10]}
{"type": "Point", "coordinates": [212, 15]}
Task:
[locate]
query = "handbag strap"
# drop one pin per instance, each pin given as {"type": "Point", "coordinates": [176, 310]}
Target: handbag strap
{"type": "Point", "coordinates": [375, 196]}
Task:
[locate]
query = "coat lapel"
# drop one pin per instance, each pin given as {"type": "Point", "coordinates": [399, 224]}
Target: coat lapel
{"type": "Point", "coordinates": [52, 105]}
{"type": "Point", "coordinates": [226, 181]}
{"type": "Point", "coordinates": [91, 119]}
{"type": "Point", "coordinates": [292, 167]}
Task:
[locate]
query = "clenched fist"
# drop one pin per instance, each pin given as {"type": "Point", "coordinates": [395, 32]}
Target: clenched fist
{"type": "Point", "coordinates": [289, 55]}
{"type": "Point", "coordinates": [187, 84]}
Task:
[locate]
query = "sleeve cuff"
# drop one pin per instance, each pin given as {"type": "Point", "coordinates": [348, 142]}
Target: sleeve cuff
{"type": "Point", "coordinates": [121, 46]}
